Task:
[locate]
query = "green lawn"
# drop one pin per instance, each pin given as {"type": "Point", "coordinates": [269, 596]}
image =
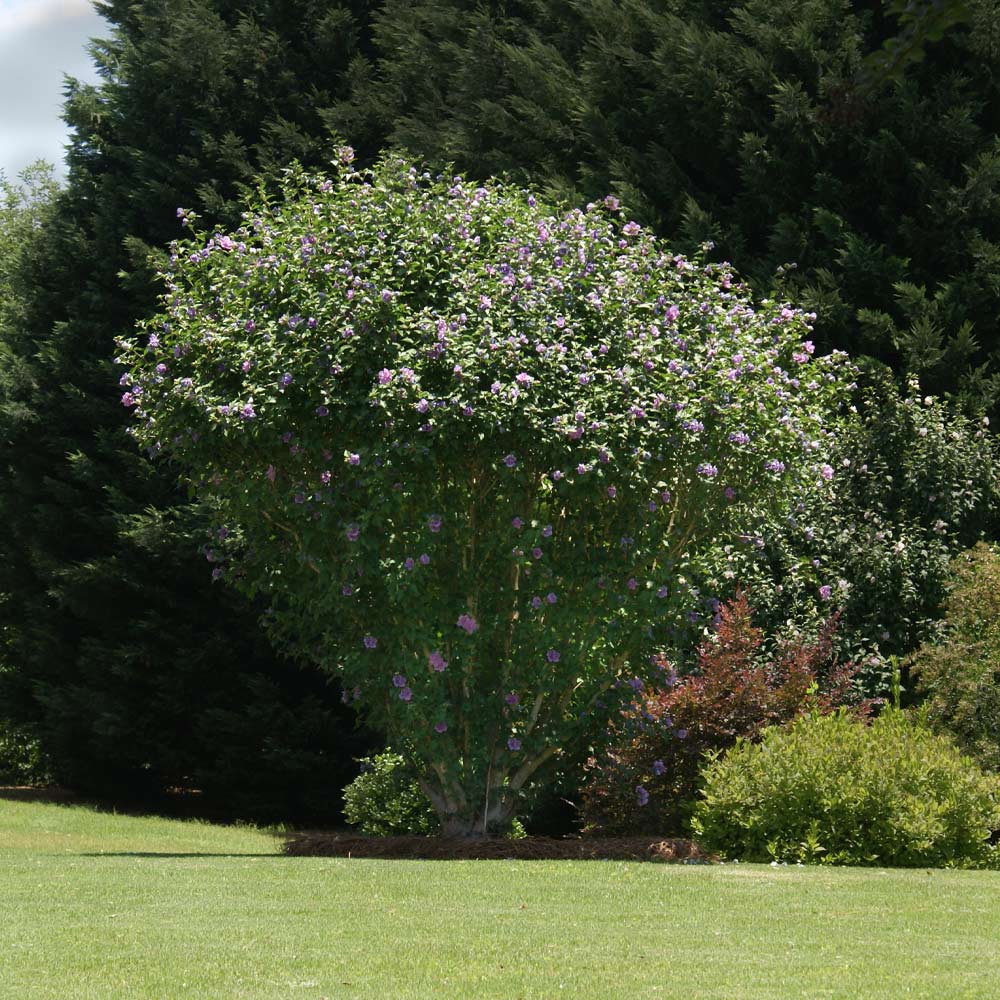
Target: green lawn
{"type": "Point", "coordinates": [96, 906]}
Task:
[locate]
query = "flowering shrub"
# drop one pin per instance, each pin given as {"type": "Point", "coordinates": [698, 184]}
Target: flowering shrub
{"type": "Point", "coordinates": [916, 482]}
{"type": "Point", "coordinates": [834, 790]}
{"type": "Point", "coordinates": [960, 674]}
{"type": "Point", "coordinates": [647, 780]}
{"type": "Point", "coordinates": [471, 448]}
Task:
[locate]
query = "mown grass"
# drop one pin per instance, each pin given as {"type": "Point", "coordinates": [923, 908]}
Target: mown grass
{"type": "Point", "coordinates": [102, 907]}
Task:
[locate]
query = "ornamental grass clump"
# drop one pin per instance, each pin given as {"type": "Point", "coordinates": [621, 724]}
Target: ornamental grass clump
{"type": "Point", "coordinates": [469, 447]}
{"type": "Point", "coordinates": [832, 789]}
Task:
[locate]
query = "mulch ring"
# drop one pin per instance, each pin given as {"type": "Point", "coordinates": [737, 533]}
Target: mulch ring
{"type": "Point", "coordinates": [307, 844]}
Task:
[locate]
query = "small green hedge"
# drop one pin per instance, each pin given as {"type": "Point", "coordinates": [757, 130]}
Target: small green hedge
{"type": "Point", "coordinates": [386, 801]}
{"type": "Point", "coordinates": [832, 789]}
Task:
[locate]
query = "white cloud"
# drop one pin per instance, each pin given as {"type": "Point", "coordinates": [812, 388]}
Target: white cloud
{"type": "Point", "coordinates": [40, 42]}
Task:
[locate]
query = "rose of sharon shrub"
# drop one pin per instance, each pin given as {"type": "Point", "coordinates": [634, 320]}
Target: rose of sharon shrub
{"type": "Point", "coordinates": [916, 482]}
{"type": "Point", "coordinates": [646, 781]}
{"type": "Point", "coordinates": [832, 789]}
{"type": "Point", "coordinates": [469, 445]}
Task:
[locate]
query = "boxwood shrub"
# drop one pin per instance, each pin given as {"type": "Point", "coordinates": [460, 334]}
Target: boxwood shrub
{"type": "Point", "coordinates": [832, 789]}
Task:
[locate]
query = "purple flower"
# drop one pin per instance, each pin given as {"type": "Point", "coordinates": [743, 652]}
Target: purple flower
{"type": "Point", "coordinates": [536, 552]}
{"type": "Point", "coordinates": [536, 602]}
{"type": "Point", "coordinates": [707, 470]}
{"type": "Point", "coordinates": [631, 229]}
{"type": "Point", "coordinates": [511, 699]}
{"type": "Point", "coordinates": [641, 795]}
{"type": "Point", "coordinates": [424, 559]}
{"type": "Point", "coordinates": [441, 727]}
{"type": "Point", "coordinates": [659, 767]}
{"type": "Point", "coordinates": [248, 412]}
{"type": "Point", "coordinates": [434, 523]}
{"type": "Point", "coordinates": [826, 471]}
{"type": "Point", "coordinates": [551, 598]}
{"type": "Point", "coordinates": [774, 465]}
{"type": "Point", "coordinates": [271, 472]}
{"type": "Point", "coordinates": [552, 656]}
{"type": "Point", "coordinates": [681, 734]}
{"type": "Point", "coordinates": [510, 461]}
{"type": "Point", "coordinates": [398, 680]}
{"type": "Point", "coordinates": [437, 661]}
{"type": "Point", "coordinates": [384, 376]}
{"type": "Point", "coordinates": [353, 532]}
{"type": "Point", "coordinates": [322, 411]}
{"type": "Point", "coordinates": [354, 458]}
{"type": "Point", "coordinates": [468, 623]}
{"type": "Point", "coordinates": [370, 642]}
{"type": "Point", "coordinates": [405, 694]}
{"type": "Point", "coordinates": [514, 744]}
{"type": "Point", "coordinates": [612, 492]}
{"type": "Point", "coordinates": [423, 406]}
{"type": "Point", "coordinates": [409, 563]}
{"type": "Point", "coordinates": [633, 583]}
{"type": "Point", "coordinates": [547, 531]}
{"type": "Point", "coordinates": [286, 379]}
{"type": "Point", "coordinates": [517, 523]}
{"type": "Point", "coordinates": [347, 590]}
{"type": "Point", "coordinates": [662, 592]}
{"type": "Point", "coordinates": [825, 592]}
{"type": "Point", "coordinates": [581, 469]}
{"type": "Point", "coordinates": [524, 379]}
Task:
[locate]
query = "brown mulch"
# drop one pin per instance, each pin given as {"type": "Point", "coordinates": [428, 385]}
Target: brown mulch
{"type": "Point", "coordinates": [527, 849]}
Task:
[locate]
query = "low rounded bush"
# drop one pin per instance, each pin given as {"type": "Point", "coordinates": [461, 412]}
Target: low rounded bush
{"type": "Point", "coordinates": [384, 800]}
{"type": "Point", "coordinates": [832, 789]}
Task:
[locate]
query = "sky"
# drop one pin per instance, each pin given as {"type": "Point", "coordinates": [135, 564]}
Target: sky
{"type": "Point", "coordinates": [40, 41]}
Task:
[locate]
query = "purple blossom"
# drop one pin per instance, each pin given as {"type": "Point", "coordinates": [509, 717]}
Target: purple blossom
{"type": "Point", "coordinates": [641, 795]}
{"type": "Point", "coordinates": [553, 656]}
{"type": "Point", "coordinates": [514, 744]}
{"type": "Point", "coordinates": [659, 767]}
{"type": "Point", "coordinates": [353, 532]}
{"type": "Point", "coordinates": [286, 379]}
{"type": "Point", "coordinates": [510, 461]}
{"type": "Point", "coordinates": [248, 412]}
{"type": "Point", "coordinates": [511, 698]}
{"type": "Point", "coordinates": [517, 523]}
{"type": "Point", "coordinates": [409, 562]}
{"type": "Point", "coordinates": [384, 376]}
{"type": "Point", "coordinates": [523, 378]}
{"type": "Point", "coordinates": [547, 531]}
{"type": "Point", "coordinates": [632, 583]}
{"type": "Point", "coordinates": [434, 523]}
{"type": "Point", "coordinates": [774, 465]}
{"type": "Point", "coordinates": [536, 552]}
{"type": "Point", "coordinates": [441, 727]}
{"type": "Point", "coordinates": [826, 471]}
{"type": "Point", "coordinates": [436, 660]}
{"type": "Point", "coordinates": [322, 411]}
{"type": "Point", "coordinates": [825, 592]}
{"type": "Point", "coordinates": [681, 734]}
{"type": "Point", "coordinates": [354, 458]}
{"type": "Point", "coordinates": [405, 694]}
{"type": "Point", "coordinates": [707, 470]}
{"type": "Point", "coordinates": [423, 406]}
{"type": "Point", "coordinates": [370, 642]}
{"type": "Point", "coordinates": [468, 623]}
{"type": "Point", "coordinates": [347, 590]}
{"type": "Point", "coordinates": [128, 399]}
{"type": "Point", "coordinates": [551, 597]}
{"type": "Point", "coordinates": [424, 559]}
{"type": "Point", "coordinates": [398, 680]}
{"type": "Point", "coordinates": [631, 229]}
{"type": "Point", "coordinates": [612, 492]}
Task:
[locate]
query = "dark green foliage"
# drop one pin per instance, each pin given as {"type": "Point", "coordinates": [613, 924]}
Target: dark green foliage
{"type": "Point", "coordinates": [119, 654]}
{"type": "Point", "coordinates": [758, 125]}
{"type": "Point", "coordinates": [831, 789]}
{"type": "Point", "coordinates": [960, 674]}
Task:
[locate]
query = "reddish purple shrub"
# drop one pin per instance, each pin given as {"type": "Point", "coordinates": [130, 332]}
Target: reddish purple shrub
{"type": "Point", "coordinates": [647, 780]}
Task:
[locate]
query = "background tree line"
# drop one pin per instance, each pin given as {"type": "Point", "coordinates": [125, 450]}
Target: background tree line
{"type": "Point", "coordinates": [758, 126]}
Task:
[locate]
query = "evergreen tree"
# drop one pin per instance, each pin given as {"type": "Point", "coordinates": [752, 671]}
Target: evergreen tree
{"type": "Point", "coordinates": [765, 126]}
{"type": "Point", "coordinates": [118, 652]}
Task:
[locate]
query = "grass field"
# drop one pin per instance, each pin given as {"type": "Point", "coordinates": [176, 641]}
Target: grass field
{"type": "Point", "coordinates": [102, 907]}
